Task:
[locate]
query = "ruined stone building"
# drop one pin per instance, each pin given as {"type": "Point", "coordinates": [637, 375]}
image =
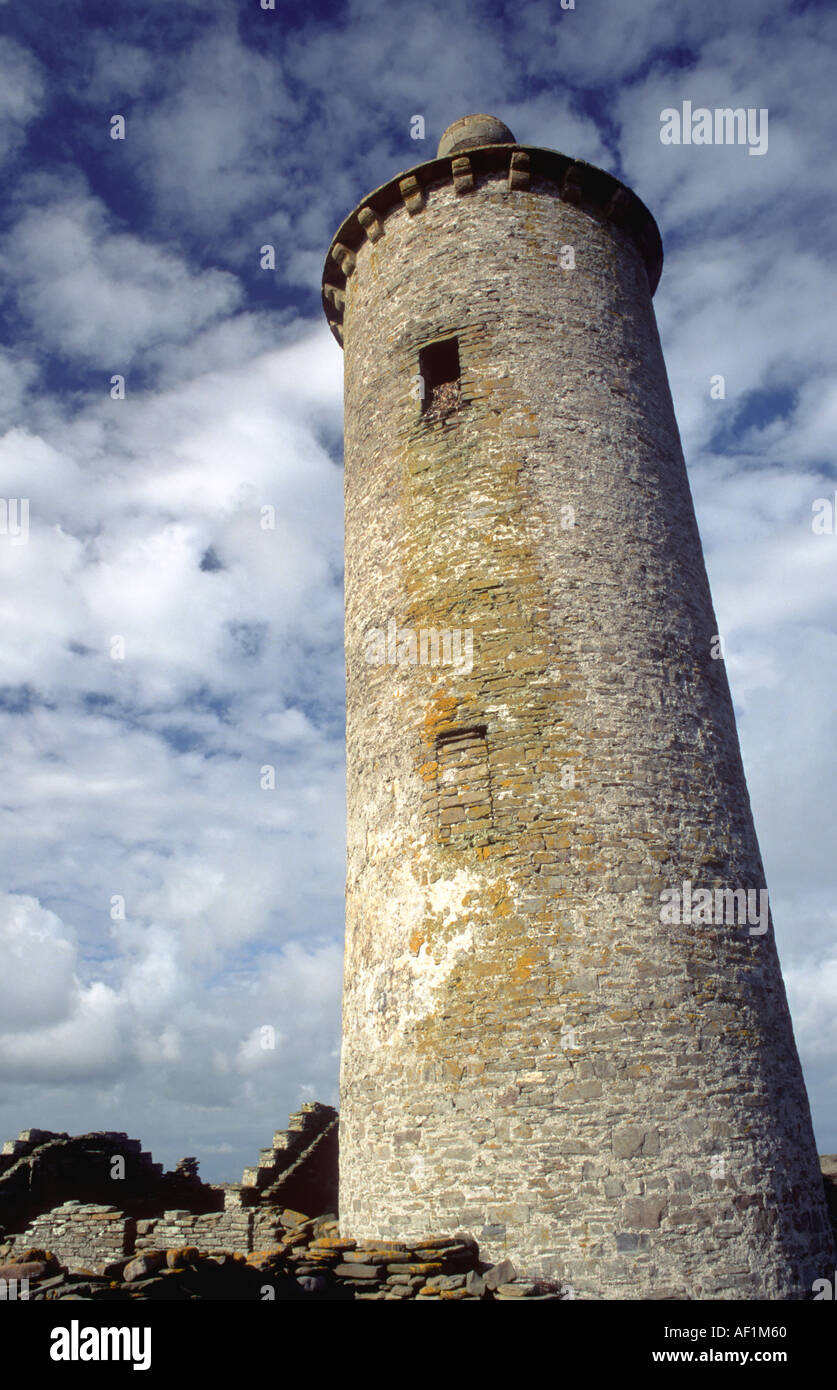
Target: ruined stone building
{"type": "Point", "coordinates": [91, 1199]}
{"type": "Point", "coordinates": [536, 1048]}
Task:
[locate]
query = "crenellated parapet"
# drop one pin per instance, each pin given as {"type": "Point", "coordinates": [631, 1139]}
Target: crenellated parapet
{"type": "Point", "coordinates": [510, 168]}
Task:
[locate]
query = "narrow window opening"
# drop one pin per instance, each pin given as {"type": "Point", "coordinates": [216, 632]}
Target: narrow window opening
{"type": "Point", "coordinates": [463, 784]}
{"type": "Point", "coordinates": [439, 371]}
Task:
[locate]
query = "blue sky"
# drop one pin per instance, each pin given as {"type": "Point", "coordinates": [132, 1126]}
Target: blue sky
{"type": "Point", "coordinates": [139, 777]}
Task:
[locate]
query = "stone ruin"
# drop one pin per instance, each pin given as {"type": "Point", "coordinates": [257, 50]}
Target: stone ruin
{"type": "Point", "coordinates": [44, 1174]}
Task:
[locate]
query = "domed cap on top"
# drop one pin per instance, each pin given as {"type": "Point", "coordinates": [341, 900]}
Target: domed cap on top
{"type": "Point", "coordinates": [470, 131]}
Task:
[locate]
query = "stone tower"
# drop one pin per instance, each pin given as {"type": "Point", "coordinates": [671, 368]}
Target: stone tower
{"type": "Point", "coordinates": [541, 750]}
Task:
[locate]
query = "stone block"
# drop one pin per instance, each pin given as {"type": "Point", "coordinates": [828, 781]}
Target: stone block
{"type": "Point", "coordinates": [412, 194]}
{"type": "Point", "coordinates": [359, 1271]}
{"type": "Point", "coordinates": [143, 1266]}
{"type": "Point", "coordinates": [502, 1273]}
{"type": "Point", "coordinates": [645, 1212]}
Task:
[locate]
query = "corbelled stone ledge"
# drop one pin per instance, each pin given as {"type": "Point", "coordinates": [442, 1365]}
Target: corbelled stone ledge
{"type": "Point", "coordinates": [523, 168]}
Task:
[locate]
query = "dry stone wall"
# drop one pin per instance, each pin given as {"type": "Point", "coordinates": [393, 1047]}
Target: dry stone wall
{"type": "Point", "coordinates": [307, 1260]}
{"type": "Point", "coordinates": [82, 1235]}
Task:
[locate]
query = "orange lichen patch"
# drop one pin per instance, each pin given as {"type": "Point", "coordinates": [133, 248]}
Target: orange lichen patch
{"type": "Point", "coordinates": [417, 940]}
{"type": "Point", "coordinates": [383, 1245]}
{"type": "Point", "coordinates": [522, 968]}
{"type": "Point", "coordinates": [181, 1255]}
{"type": "Point", "coordinates": [301, 1238]}
{"type": "Point", "coordinates": [440, 712]}
{"type": "Point", "coordinates": [428, 771]}
{"type": "Point", "coordinates": [481, 969]}
{"type": "Point", "coordinates": [261, 1257]}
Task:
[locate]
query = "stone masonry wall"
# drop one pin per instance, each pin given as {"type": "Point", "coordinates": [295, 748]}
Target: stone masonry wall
{"type": "Point", "coordinates": [82, 1235]}
{"type": "Point", "coordinates": [238, 1227]}
{"type": "Point", "coordinates": [91, 1236]}
{"type": "Point", "coordinates": [214, 1231]}
{"type": "Point", "coordinates": [529, 1052]}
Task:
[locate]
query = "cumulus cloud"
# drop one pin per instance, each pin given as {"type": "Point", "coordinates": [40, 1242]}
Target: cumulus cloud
{"type": "Point", "coordinates": [53, 1026]}
{"type": "Point", "coordinates": [38, 982]}
{"type": "Point", "coordinates": [207, 149]}
{"type": "Point", "coordinates": [104, 295]}
{"type": "Point", "coordinates": [22, 92]}
{"type": "Point", "coordinates": [181, 1034]}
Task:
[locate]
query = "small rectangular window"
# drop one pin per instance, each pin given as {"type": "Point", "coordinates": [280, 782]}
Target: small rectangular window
{"type": "Point", "coordinates": [439, 371]}
{"type": "Point", "coordinates": [463, 783]}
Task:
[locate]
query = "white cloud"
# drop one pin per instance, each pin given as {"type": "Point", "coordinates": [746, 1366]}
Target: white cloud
{"type": "Point", "coordinates": [207, 147]}
{"type": "Point", "coordinates": [141, 778]}
{"type": "Point", "coordinates": [37, 983]}
{"type": "Point", "coordinates": [103, 295]}
{"type": "Point", "coordinates": [148, 1024]}
{"type": "Point", "coordinates": [22, 90]}
{"type": "Point", "coordinates": [812, 986]}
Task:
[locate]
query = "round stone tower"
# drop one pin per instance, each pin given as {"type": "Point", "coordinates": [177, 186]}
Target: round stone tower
{"type": "Point", "coordinates": [565, 1027]}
